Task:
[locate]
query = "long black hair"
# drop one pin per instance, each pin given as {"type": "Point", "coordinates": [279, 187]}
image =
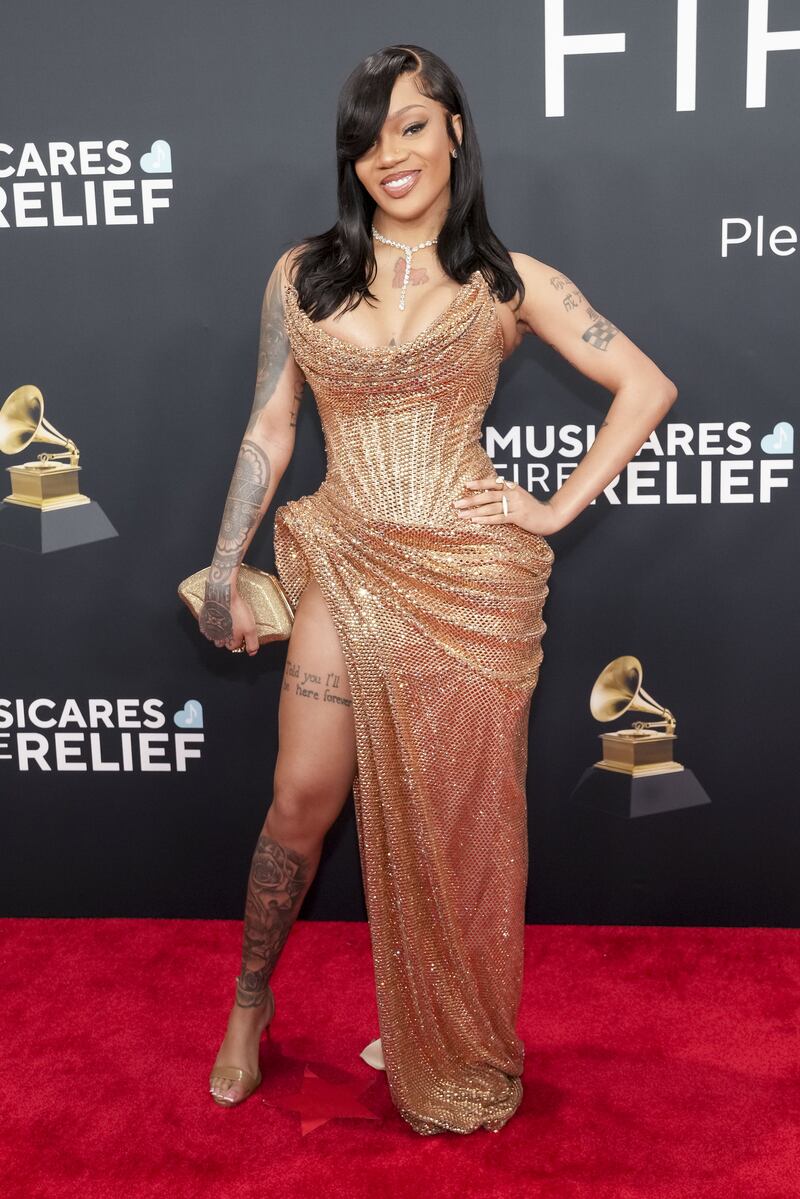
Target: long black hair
{"type": "Point", "coordinates": [338, 265]}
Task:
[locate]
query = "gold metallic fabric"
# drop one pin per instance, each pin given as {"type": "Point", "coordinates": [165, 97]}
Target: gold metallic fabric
{"type": "Point", "coordinates": [440, 621]}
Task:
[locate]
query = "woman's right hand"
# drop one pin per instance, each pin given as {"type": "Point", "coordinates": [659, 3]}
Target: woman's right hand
{"type": "Point", "coordinates": [229, 625]}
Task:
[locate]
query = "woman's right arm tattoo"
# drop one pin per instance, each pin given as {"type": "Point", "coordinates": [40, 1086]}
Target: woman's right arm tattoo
{"type": "Point", "coordinates": [243, 510]}
{"type": "Point", "coordinates": [272, 422]}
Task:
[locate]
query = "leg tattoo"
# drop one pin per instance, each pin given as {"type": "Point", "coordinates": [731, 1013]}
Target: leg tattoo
{"type": "Point", "coordinates": [278, 880]}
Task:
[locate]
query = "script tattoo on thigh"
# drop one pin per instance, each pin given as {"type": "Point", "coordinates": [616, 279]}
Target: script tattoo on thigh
{"type": "Point", "coordinates": [601, 331]}
{"type": "Point", "coordinates": [309, 684]}
{"type": "Point", "coordinates": [277, 882]}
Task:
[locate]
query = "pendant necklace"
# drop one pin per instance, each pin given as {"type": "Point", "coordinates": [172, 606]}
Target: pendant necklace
{"type": "Point", "coordinates": [408, 251]}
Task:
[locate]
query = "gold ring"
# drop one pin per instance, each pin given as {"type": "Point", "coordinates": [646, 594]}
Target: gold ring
{"type": "Point", "coordinates": [504, 498]}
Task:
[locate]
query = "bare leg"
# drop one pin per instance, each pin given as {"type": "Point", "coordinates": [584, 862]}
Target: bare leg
{"type": "Point", "coordinates": [313, 778]}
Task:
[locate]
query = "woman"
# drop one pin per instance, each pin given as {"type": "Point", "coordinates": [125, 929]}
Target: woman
{"type": "Point", "coordinates": [418, 580]}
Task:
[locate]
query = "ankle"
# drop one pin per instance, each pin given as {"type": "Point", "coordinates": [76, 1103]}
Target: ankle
{"type": "Point", "coordinates": [255, 998]}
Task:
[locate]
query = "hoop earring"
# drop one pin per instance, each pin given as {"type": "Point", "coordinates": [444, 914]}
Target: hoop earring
{"type": "Point", "coordinates": [454, 153]}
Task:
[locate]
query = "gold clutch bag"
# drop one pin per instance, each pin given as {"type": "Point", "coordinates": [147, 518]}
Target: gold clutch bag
{"type": "Point", "coordinates": [262, 591]}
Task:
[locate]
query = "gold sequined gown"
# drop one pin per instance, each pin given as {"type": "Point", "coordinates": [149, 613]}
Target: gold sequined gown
{"type": "Point", "coordinates": [440, 622]}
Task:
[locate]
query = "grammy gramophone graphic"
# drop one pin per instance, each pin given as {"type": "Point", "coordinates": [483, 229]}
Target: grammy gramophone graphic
{"type": "Point", "coordinates": [637, 774]}
{"type": "Point", "coordinates": [46, 509]}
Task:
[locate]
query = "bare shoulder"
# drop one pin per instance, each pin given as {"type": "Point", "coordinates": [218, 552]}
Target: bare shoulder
{"type": "Point", "coordinates": [273, 300]}
{"type": "Point", "coordinates": [288, 261]}
{"type": "Point", "coordinates": [275, 347]}
{"type": "Point", "coordinates": [543, 284]}
{"type": "Point", "coordinates": [514, 314]}
{"type": "Point", "coordinates": [283, 272]}
{"type": "Point", "coordinates": [558, 311]}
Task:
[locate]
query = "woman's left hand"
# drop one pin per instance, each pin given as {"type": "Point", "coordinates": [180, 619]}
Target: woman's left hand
{"type": "Point", "coordinates": [485, 506]}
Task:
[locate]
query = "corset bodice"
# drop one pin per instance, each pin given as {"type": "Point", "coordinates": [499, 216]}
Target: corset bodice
{"type": "Point", "coordinates": [402, 423]}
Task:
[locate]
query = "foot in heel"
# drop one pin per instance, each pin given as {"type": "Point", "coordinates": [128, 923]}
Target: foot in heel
{"type": "Point", "coordinates": [236, 1074]}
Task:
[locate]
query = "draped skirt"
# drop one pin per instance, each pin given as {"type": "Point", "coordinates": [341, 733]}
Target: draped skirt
{"type": "Point", "coordinates": [441, 629]}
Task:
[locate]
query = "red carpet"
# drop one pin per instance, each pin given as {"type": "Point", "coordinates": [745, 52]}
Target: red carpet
{"type": "Point", "coordinates": [661, 1063]}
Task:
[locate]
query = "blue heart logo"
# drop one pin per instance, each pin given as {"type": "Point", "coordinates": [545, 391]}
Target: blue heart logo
{"type": "Point", "coordinates": [190, 716]}
{"type": "Point", "coordinates": [158, 159]}
{"type": "Point", "coordinates": [780, 440]}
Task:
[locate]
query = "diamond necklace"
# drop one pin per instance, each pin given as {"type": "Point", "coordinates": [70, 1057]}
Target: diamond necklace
{"type": "Point", "coordinates": [408, 251]}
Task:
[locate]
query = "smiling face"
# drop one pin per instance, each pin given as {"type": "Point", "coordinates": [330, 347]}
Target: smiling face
{"type": "Point", "coordinates": [413, 146]}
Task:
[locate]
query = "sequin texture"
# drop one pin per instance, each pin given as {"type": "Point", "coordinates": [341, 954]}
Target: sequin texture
{"type": "Point", "coordinates": [440, 622]}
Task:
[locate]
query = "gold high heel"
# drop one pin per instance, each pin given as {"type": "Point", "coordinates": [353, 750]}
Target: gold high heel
{"type": "Point", "coordinates": [231, 1074]}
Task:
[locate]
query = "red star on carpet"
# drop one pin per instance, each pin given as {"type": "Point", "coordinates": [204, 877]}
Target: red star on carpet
{"type": "Point", "coordinates": [318, 1101]}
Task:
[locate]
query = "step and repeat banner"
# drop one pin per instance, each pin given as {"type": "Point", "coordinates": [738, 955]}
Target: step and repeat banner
{"type": "Point", "coordinates": [154, 163]}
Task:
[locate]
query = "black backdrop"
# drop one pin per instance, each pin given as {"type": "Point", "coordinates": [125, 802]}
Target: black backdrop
{"type": "Point", "coordinates": [141, 333]}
